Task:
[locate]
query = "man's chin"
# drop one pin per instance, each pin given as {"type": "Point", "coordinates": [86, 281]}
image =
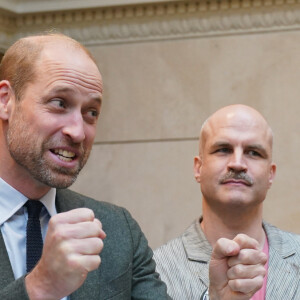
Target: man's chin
{"type": "Point", "coordinates": [60, 181]}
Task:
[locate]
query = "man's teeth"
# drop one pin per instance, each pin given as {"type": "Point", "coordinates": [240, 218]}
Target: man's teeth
{"type": "Point", "coordinates": [64, 154]}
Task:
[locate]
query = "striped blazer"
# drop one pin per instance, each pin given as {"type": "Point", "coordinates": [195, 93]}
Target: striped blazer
{"type": "Point", "coordinates": [183, 264]}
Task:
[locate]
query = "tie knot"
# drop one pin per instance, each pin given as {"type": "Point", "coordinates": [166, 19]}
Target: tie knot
{"type": "Point", "coordinates": [34, 208]}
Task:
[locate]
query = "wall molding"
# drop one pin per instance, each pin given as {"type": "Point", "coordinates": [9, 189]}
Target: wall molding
{"type": "Point", "coordinates": [159, 21]}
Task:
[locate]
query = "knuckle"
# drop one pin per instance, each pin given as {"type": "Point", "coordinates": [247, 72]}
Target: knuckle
{"type": "Point", "coordinates": [72, 262]}
{"type": "Point", "coordinates": [59, 234]}
{"type": "Point", "coordinates": [263, 257]}
{"type": "Point", "coordinates": [238, 270]}
{"type": "Point", "coordinates": [64, 249]}
{"type": "Point", "coordinates": [235, 285]}
{"type": "Point", "coordinates": [98, 222]}
{"type": "Point", "coordinates": [53, 222]}
{"type": "Point", "coordinates": [98, 261]}
{"type": "Point", "coordinates": [241, 237]}
{"type": "Point", "coordinates": [90, 214]}
{"type": "Point", "coordinates": [100, 244]}
{"type": "Point", "coordinates": [260, 280]}
{"type": "Point", "coordinates": [94, 262]}
{"type": "Point", "coordinates": [220, 242]}
{"type": "Point", "coordinates": [262, 271]}
{"type": "Point", "coordinates": [243, 255]}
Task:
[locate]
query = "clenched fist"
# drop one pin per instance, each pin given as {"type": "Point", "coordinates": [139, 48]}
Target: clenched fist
{"type": "Point", "coordinates": [72, 246]}
{"type": "Point", "coordinates": [236, 269]}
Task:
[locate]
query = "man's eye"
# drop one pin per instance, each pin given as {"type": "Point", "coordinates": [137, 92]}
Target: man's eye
{"type": "Point", "coordinates": [92, 115]}
{"type": "Point", "coordinates": [58, 103]}
{"type": "Point", "coordinates": [223, 150]}
{"type": "Point", "coordinates": [253, 153]}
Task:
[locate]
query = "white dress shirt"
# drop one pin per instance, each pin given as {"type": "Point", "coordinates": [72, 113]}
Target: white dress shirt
{"type": "Point", "coordinates": [13, 222]}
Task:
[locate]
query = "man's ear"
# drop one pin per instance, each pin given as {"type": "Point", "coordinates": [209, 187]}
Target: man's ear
{"type": "Point", "coordinates": [6, 99]}
{"type": "Point", "coordinates": [272, 174]}
{"type": "Point", "coordinates": [197, 168]}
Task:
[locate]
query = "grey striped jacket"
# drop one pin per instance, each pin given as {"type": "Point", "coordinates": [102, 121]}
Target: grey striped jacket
{"type": "Point", "coordinates": [183, 264]}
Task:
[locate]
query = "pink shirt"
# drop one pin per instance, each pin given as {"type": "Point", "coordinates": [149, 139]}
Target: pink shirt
{"type": "Point", "coordinates": [260, 294]}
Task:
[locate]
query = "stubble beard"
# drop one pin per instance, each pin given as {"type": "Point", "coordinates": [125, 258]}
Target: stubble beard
{"type": "Point", "coordinates": [23, 148]}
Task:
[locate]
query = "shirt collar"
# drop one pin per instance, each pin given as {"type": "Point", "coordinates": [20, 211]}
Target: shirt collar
{"type": "Point", "coordinates": [12, 200]}
{"type": "Point", "coordinates": [195, 243]}
{"type": "Point", "coordinates": [49, 201]}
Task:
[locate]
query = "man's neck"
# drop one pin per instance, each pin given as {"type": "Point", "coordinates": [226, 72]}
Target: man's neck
{"type": "Point", "coordinates": [232, 222]}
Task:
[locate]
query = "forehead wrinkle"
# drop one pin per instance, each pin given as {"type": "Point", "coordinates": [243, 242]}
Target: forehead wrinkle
{"type": "Point", "coordinates": [73, 76]}
{"type": "Point", "coordinates": [62, 70]}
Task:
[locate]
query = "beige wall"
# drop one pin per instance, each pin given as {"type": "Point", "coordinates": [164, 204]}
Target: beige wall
{"type": "Point", "coordinates": [157, 94]}
{"type": "Point", "coordinates": [166, 68]}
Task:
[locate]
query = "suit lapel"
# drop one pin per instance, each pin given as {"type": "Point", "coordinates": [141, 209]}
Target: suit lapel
{"type": "Point", "coordinates": [65, 200]}
{"type": "Point", "coordinates": [6, 274]}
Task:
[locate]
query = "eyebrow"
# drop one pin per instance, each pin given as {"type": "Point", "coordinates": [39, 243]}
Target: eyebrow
{"type": "Point", "coordinates": [220, 144]}
{"type": "Point", "coordinates": [65, 90]}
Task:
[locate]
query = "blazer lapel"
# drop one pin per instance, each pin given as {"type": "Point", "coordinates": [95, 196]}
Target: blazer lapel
{"type": "Point", "coordinates": [6, 274]}
{"type": "Point", "coordinates": [283, 277]}
{"type": "Point", "coordinates": [198, 250]}
{"type": "Point", "coordinates": [283, 271]}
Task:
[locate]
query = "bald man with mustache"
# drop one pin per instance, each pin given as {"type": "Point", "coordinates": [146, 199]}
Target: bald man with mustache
{"type": "Point", "coordinates": [230, 253]}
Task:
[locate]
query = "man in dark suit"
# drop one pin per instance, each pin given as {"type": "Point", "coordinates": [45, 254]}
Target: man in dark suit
{"type": "Point", "coordinates": [50, 100]}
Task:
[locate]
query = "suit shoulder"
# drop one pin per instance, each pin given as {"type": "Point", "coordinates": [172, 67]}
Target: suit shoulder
{"type": "Point", "coordinates": [70, 199]}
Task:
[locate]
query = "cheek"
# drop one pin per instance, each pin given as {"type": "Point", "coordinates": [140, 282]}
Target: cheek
{"type": "Point", "coordinates": [262, 179]}
{"type": "Point", "coordinates": [211, 170]}
{"type": "Point", "coordinates": [90, 133]}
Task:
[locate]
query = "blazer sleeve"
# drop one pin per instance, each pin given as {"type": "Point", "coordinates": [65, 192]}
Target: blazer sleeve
{"type": "Point", "coordinates": [15, 290]}
{"type": "Point", "coordinates": [146, 283]}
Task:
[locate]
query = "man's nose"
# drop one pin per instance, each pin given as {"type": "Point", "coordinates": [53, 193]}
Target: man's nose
{"type": "Point", "coordinates": [237, 161]}
{"type": "Point", "coordinates": [74, 127]}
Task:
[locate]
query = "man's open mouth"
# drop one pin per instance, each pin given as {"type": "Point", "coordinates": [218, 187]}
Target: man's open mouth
{"type": "Point", "coordinates": [64, 155]}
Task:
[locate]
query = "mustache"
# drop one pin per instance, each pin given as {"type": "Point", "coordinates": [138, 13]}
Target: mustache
{"type": "Point", "coordinates": [237, 175]}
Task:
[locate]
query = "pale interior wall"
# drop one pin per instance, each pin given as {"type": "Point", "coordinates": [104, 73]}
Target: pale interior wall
{"type": "Point", "coordinates": [157, 94]}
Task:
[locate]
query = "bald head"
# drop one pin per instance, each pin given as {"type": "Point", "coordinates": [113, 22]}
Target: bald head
{"type": "Point", "coordinates": [18, 65]}
{"type": "Point", "coordinates": [238, 116]}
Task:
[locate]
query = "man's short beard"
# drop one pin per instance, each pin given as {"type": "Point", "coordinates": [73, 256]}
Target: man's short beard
{"type": "Point", "coordinates": [39, 170]}
{"type": "Point", "coordinates": [43, 174]}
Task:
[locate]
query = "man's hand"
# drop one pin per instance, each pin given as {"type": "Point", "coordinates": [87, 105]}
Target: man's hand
{"type": "Point", "coordinates": [71, 250]}
{"type": "Point", "coordinates": [236, 269]}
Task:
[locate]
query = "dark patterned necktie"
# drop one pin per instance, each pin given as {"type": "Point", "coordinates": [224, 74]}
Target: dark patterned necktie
{"type": "Point", "coordinates": [34, 240]}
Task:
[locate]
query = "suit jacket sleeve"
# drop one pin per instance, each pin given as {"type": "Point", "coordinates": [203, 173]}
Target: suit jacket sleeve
{"type": "Point", "coordinates": [146, 283]}
{"type": "Point", "coordinates": [14, 290]}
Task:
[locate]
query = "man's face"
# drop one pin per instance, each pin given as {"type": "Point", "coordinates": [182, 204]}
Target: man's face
{"type": "Point", "coordinates": [52, 129]}
{"type": "Point", "coordinates": [234, 167]}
